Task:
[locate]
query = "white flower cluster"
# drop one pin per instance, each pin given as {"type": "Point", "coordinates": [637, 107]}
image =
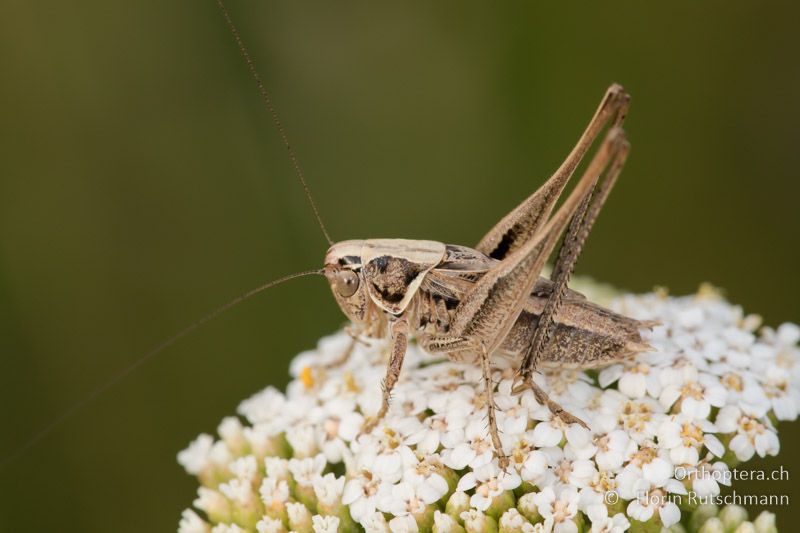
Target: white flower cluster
{"type": "Point", "coordinates": [706, 397]}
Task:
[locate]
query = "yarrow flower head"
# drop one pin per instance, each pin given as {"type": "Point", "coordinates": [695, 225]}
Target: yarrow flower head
{"type": "Point", "coordinates": [670, 421]}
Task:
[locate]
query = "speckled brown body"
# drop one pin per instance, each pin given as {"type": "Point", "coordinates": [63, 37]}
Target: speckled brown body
{"type": "Point", "coordinates": [490, 301]}
{"type": "Point", "coordinates": [586, 335]}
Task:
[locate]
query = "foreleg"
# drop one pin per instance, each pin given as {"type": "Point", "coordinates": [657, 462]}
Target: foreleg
{"type": "Point", "coordinates": [399, 331]}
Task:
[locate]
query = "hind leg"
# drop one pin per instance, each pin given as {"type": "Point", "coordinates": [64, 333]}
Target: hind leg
{"type": "Point", "coordinates": [544, 399]}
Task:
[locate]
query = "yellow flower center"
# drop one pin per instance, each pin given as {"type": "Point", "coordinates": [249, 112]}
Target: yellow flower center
{"type": "Point", "coordinates": [644, 456]}
{"type": "Point", "coordinates": [733, 381]}
{"type": "Point", "coordinates": [307, 377]}
{"type": "Point", "coordinates": [692, 434]}
{"type": "Point", "coordinates": [563, 471]}
{"type": "Point", "coordinates": [634, 416]}
{"type": "Point", "coordinates": [692, 390]}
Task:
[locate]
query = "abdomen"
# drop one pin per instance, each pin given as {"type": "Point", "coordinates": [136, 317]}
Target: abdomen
{"type": "Point", "coordinates": [585, 334]}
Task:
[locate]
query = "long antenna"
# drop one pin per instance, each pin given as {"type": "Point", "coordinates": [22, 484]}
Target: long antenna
{"type": "Point", "coordinates": [268, 103]}
{"type": "Point", "coordinates": [89, 398]}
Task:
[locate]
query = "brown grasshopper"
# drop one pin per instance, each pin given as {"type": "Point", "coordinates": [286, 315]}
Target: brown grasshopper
{"type": "Point", "coordinates": [479, 302]}
{"type": "Point", "coordinates": [476, 303]}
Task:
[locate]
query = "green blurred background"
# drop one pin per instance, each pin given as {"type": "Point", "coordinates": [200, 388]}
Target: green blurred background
{"type": "Point", "coordinates": [143, 184]}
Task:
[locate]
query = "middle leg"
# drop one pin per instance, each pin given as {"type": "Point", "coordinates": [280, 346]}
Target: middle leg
{"type": "Point", "coordinates": [452, 345]}
{"type": "Point", "coordinates": [491, 413]}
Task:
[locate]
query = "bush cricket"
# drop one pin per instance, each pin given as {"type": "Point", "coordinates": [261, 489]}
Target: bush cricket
{"type": "Point", "coordinates": [473, 303]}
{"type": "Point", "coordinates": [476, 303]}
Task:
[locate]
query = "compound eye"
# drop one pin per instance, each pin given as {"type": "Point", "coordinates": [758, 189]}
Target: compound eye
{"type": "Point", "coordinates": [346, 283]}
